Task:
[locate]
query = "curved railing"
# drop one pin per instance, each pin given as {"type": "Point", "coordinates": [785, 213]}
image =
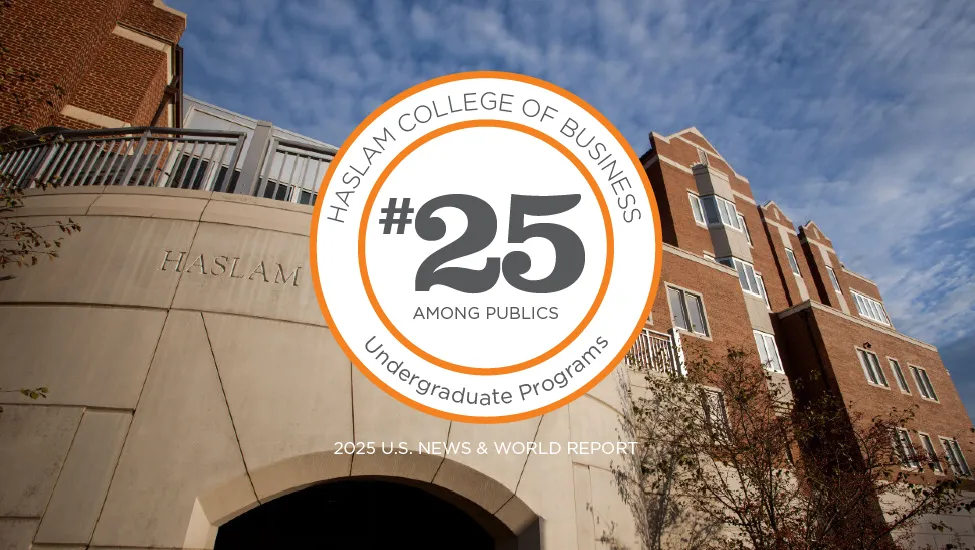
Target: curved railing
{"type": "Point", "coordinates": [206, 160]}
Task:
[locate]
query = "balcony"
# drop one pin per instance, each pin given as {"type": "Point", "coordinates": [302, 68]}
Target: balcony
{"type": "Point", "coordinates": [169, 157]}
{"type": "Point", "coordinates": [655, 352]}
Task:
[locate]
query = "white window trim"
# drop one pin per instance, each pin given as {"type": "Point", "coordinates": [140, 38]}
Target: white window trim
{"type": "Point", "coordinates": [745, 267]}
{"type": "Point", "coordinates": [744, 229]}
{"type": "Point", "coordinates": [870, 366]}
{"type": "Point", "coordinates": [965, 469]}
{"type": "Point", "coordinates": [905, 388]}
{"type": "Point", "coordinates": [696, 199]}
{"type": "Point", "coordinates": [934, 460]}
{"type": "Point", "coordinates": [793, 261]}
{"type": "Point", "coordinates": [766, 338]}
{"type": "Point", "coordinates": [831, 274]}
{"type": "Point", "coordinates": [720, 202]}
{"type": "Point", "coordinates": [704, 311]}
{"type": "Point", "coordinates": [862, 301]}
{"type": "Point", "coordinates": [761, 286]}
{"type": "Point", "coordinates": [906, 446]}
{"type": "Point", "coordinates": [922, 386]}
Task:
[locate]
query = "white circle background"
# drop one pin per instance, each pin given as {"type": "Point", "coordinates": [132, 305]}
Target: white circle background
{"type": "Point", "coordinates": [338, 264]}
{"type": "Point", "coordinates": [455, 163]}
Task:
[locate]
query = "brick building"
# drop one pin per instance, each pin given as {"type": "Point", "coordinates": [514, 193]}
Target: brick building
{"type": "Point", "coordinates": [116, 63]}
{"type": "Point", "coordinates": [738, 273]}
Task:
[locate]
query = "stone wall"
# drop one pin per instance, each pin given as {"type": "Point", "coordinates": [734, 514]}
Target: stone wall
{"type": "Point", "coordinates": [192, 377]}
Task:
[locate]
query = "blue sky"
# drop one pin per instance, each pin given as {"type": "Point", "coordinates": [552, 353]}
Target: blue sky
{"type": "Point", "coordinates": [860, 118]}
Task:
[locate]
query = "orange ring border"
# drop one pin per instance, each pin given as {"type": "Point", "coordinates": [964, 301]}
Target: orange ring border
{"type": "Point", "coordinates": [603, 284]}
{"type": "Point", "coordinates": [313, 244]}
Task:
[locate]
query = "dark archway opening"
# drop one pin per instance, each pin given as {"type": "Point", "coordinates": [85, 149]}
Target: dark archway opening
{"type": "Point", "coordinates": [367, 513]}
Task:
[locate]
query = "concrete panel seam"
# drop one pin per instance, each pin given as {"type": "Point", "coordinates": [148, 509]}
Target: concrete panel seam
{"type": "Point", "coordinates": [180, 278]}
{"type": "Point", "coordinates": [128, 429]}
{"type": "Point", "coordinates": [230, 414]}
{"type": "Point", "coordinates": [444, 457]}
{"type": "Point", "coordinates": [60, 469]}
{"type": "Point", "coordinates": [527, 456]}
{"type": "Point", "coordinates": [151, 308]}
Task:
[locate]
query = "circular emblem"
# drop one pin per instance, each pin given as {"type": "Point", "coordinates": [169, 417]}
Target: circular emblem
{"type": "Point", "coordinates": [485, 247]}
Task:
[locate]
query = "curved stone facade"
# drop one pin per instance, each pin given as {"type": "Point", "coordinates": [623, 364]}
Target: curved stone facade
{"type": "Point", "coordinates": [192, 377]}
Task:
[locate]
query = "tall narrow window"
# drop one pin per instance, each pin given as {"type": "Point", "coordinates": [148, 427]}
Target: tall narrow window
{"type": "Point", "coordinates": [954, 457]}
{"type": "Point", "coordinates": [833, 279]}
{"type": "Point", "coordinates": [687, 309]}
{"type": "Point", "coordinates": [761, 287]}
{"type": "Point", "coordinates": [871, 368]}
{"type": "Point", "coordinates": [744, 228]}
{"type": "Point", "coordinates": [899, 375]}
{"type": "Point", "coordinates": [923, 383]}
{"type": "Point", "coordinates": [792, 261]}
{"type": "Point", "coordinates": [768, 352]}
{"type": "Point", "coordinates": [697, 209]}
{"type": "Point", "coordinates": [719, 211]}
{"type": "Point", "coordinates": [905, 448]}
{"type": "Point", "coordinates": [932, 456]}
{"type": "Point", "coordinates": [715, 413]}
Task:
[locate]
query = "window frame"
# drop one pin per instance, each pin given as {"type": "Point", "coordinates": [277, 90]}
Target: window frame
{"type": "Point", "coordinates": [908, 452]}
{"type": "Point", "coordinates": [723, 208]}
{"type": "Point", "coordinates": [950, 450]}
{"type": "Point", "coordinates": [868, 308]}
{"type": "Point", "coordinates": [924, 386]}
{"type": "Point", "coordinates": [868, 366]}
{"type": "Point", "coordinates": [761, 286]}
{"type": "Point", "coordinates": [832, 279]}
{"type": "Point", "coordinates": [895, 368]}
{"type": "Point", "coordinates": [713, 398]}
{"type": "Point", "coordinates": [695, 199]}
{"type": "Point", "coordinates": [685, 311]}
{"type": "Point", "coordinates": [743, 273]}
{"type": "Point", "coordinates": [793, 261]}
{"type": "Point", "coordinates": [744, 228]}
{"type": "Point", "coordinates": [928, 445]}
{"type": "Point", "coordinates": [767, 363]}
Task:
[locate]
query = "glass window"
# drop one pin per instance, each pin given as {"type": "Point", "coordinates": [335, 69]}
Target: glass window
{"type": "Point", "coordinates": [870, 308]}
{"type": "Point", "coordinates": [871, 368]}
{"type": "Point", "coordinates": [688, 310]}
{"type": "Point", "coordinates": [833, 279]}
{"type": "Point", "coordinates": [696, 208]}
{"type": "Point", "coordinates": [768, 352]}
{"type": "Point", "coordinates": [761, 287]}
{"type": "Point", "coordinates": [932, 456]}
{"type": "Point", "coordinates": [720, 211]}
{"type": "Point", "coordinates": [715, 412]}
{"type": "Point", "coordinates": [792, 261]}
{"type": "Point", "coordinates": [955, 458]}
{"type": "Point", "coordinates": [307, 197]}
{"type": "Point", "coordinates": [905, 448]}
{"type": "Point", "coordinates": [189, 172]}
{"type": "Point", "coordinates": [218, 183]}
{"type": "Point", "coordinates": [899, 375]}
{"type": "Point", "coordinates": [746, 275]}
{"type": "Point", "coordinates": [923, 383]}
{"type": "Point", "coordinates": [744, 228]}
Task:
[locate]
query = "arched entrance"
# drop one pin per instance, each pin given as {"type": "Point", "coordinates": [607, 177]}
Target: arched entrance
{"type": "Point", "coordinates": [367, 513]}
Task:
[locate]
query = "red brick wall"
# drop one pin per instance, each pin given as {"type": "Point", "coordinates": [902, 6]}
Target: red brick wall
{"type": "Point", "coordinates": [128, 91]}
{"type": "Point", "coordinates": [836, 338]}
{"type": "Point", "coordinates": [70, 44]}
{"type": "Point", "coordinates": [724, 303]}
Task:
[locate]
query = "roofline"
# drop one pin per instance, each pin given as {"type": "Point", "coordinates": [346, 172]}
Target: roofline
{"type": "Point", "coordinates": [255, 121]}
{"type": "Point", "coordinates": [809, 304]}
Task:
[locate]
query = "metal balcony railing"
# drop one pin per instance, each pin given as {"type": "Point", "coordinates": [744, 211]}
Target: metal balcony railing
{"type": "Point", "coordinates": [168, 157]}
{"type": "Point", "coordinates": [654, 352]}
